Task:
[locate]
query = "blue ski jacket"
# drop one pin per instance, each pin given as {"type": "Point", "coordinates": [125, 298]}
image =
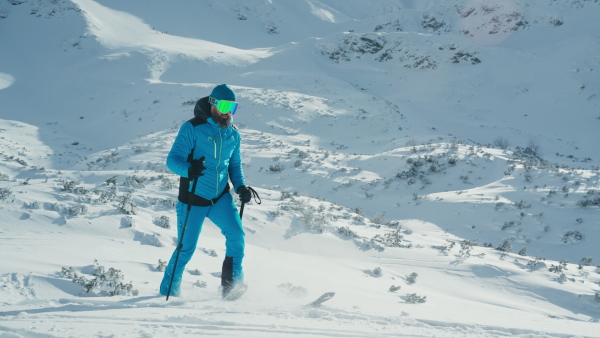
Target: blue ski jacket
{"type": "Point", "coordinates": [201, 136]}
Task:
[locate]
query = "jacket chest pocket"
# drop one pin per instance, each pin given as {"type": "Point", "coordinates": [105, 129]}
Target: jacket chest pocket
{"type": "Point", "coordinates": [211, 146]}
{"type": "Point", "coordinates": [219, 147]}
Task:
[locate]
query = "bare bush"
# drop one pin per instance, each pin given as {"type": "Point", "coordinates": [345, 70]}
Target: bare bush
{"type": "Point", "coordinates": [501, 142]}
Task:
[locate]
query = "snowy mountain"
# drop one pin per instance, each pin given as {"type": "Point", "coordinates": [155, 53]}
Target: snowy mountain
{"type": "Point", "coordinates": [433, 163]}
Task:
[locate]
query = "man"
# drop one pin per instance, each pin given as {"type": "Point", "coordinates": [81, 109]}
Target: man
{"type": "Point", "coordinates": [206, 152]}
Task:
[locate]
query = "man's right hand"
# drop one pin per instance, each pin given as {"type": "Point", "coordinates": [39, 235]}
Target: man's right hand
{"type": "Point", "coordinates": [196, 168]}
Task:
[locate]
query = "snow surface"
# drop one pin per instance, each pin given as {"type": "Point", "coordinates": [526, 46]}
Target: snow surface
{"type": "Point", "coordinates": [452, 139]}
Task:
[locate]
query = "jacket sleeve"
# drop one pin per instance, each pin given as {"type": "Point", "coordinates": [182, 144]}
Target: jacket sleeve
{"type": "Point", "coordinates": [236, 174]}
{"type": "Point", "coordinates": [181, 149]}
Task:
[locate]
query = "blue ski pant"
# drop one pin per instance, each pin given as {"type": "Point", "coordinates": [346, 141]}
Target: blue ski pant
{"type": "Point", "coordinates": [225, 215]}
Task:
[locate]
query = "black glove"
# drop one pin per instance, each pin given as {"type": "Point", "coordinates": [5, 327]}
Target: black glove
{"type": "Point", "coordinates": [245, 194]}
{"type": "Point", "coordinates": [196, 168]}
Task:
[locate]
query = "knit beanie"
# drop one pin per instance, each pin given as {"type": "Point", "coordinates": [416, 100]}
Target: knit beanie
{"type": "Point", "coordinates": [223, 92]}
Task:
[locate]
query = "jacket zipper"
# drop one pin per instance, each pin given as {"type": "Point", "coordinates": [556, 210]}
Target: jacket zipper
{"type": "Point", "coordinates": [218, 160]}
{"type": "Point", "coordinates": [210, 138]}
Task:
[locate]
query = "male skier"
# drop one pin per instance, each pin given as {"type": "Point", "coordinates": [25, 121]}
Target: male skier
{"type": "Point", "coordinates": [206, 154]}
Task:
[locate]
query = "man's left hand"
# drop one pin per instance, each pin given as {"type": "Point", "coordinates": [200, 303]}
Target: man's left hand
{"type": "Point", "coordinates": [244, 193]}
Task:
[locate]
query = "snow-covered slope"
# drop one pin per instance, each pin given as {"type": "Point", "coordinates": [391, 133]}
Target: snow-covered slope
{"type": "Point", "coordinates": [433, 163]}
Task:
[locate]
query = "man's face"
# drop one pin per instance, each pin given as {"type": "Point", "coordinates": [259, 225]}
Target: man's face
{"type": "Point", "coordinates": [223, 120]}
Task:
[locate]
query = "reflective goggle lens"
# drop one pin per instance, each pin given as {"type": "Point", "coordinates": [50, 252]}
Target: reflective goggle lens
{"type": "Point", "coordinates": [226, 106]}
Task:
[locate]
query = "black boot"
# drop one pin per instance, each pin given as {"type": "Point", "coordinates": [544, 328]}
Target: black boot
{"type": "Point", "coordinates": [227, 276]}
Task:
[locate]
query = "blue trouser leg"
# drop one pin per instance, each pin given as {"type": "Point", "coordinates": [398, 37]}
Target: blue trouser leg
{"type": "Point", "coordinates": [225, 215]}
{"type": "Point", "coordinates": [190, 239]}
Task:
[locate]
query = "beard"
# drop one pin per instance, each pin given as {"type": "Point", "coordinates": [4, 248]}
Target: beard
{"type": "Point", "coordinates": [223, 120]}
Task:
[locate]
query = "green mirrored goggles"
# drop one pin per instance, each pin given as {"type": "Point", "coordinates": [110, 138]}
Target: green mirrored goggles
{"type": "Point", "coordinates": [224, 106]}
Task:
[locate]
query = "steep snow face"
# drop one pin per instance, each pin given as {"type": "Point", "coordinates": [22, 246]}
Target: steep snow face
{"type": "Point", "coordinates": [414, 157]}
{"type": "Point", "coordinates": [107, 26]}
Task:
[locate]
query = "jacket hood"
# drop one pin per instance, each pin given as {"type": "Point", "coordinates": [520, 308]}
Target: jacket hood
{"type": "Point", "coordinates": [202, 109]}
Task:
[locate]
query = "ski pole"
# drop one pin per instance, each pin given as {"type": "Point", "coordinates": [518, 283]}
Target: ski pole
{"type": "Point", "coordinates": [242, 210]}
{"type": "Point", "coordinates": [180, 245]}
{"type": "Point", "coordinates": [256, 199]}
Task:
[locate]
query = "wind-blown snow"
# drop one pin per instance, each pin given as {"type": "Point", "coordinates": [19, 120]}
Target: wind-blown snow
{"type": "Point", "coordinates": [434, 164]}
{"type": "Point", "coordinates": [6, 80]}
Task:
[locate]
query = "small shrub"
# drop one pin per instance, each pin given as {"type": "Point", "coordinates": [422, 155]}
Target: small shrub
{"type": "Point", "coordinates": [164, 202]}
{"type": "Point", "coordinates": [107, 196]}
{"type": "Point", "coordinates": [201, 284]}
{"type": "Point", "coordinates": [522, 205]}
{"type": "Point", "coordinates": [105, 282]}
{"type": "Point", "coordinates": [586, 261]}
{"type": "Point", "coordinates": [313, 220]}
{"type": "Point", "coordinates": [533, 264]}
{"type": "Point", "coordinates": [162, 265]}
{"type": "Point", "coordinates": [195, 272]}
{"type": "Point", "coordinates": [562, 278]}
{"type": "Point", "coordinates": [377, 272]}
{"type": "Point", "coordinates": [501, 142]}
{"type": "Point", "coordinates": [274, 214]}
{"type": "Point", "coordinates": [368, 244]}
{"type": "Point", "coordinates": [359, 211]}
{"type": "Point", "coordinates": [135, 181]}
{"type": "Point", "coordinates": [346, 231]}
{"type": "Point", "coordinates": [72, 187]}
{"type": "Point", "coordinates": [128, 222]}
{"type": "Point", "coordinates": [412, 278]}
{"type": "Point", "coordinates": [127, 205]}
{"type": "Point", "coordinates": [506, 246]}
{"type": "Point", "coordinates": [533, 148]}
{"type": "Point", "coordinates": [169, 202]}
{"type": "Point", "coordinates": [112, 180]}
{"type": "Point", "coordinates": [392, 239]}
{"type": "Point", "coordinates": [562, 265]}
{"type": "Point", "coordinates": [394, 288]}
{"type": "Point", "coordinates": [303, 154]}
{"type": "Point", "coordinates": [76, 210]}
{"type": "Point", "coordinates": [287, 194]}
{"type": "Point", "coordinates": [465, 248]}
{"type": "Point", "coordinates": [163, 222]}
{"type": "Point", "coordinates": [413, 298]}
{"type": "Point", "coordinates": [523, 251]}
{"type": "Point", "coordinates": [6, 195]}
{"type": "Point", "coordinates": [556, 22]}
{"type": "Point", "coordinates": [507, 225]}
{"type": "Point", "coordinates": [445, 249]}
{"type": "Point", "coordinates": [588, 202]}
{"type": "Point", "coordinates": [191, 102]}
{"type": "Point", "coordinates": [167, 184]}
{"type": "Point", "coordinates": [210, 252]}
{"type": "Point", "coordinates": [358, 219]}
{"type": "Point", "coordinates": [378, 218]}
{"type": "Point", "coordinates": [572, 237]}
{"type": "Point", "coordinates": [277, 168]}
